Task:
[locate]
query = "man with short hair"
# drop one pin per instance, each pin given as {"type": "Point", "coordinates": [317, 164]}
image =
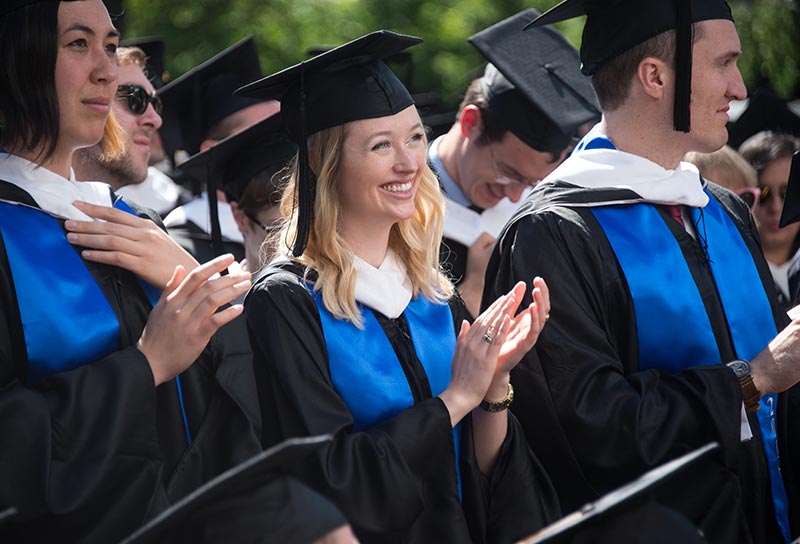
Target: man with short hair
{"type": "Point", "coordinates": [201, 110]}
{"type": "Point", "coordinates": [514, 126]}
{"type": "Point", "coordinates": [664, 332]}
{"type": "Point", "coordinates": [137, 110]}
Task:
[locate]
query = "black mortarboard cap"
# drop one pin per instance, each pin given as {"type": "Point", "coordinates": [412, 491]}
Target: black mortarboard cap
{"type": "Point", "coordinates": [203, 96]}
{"type": "Point", "coordinates": [239, 480]}
{"type": "Point", "coordinates": [153, 47]}
{"type": "Point", "coordinates": [11, 5]}
{"type": "Point", "coordinates": [347, 83]}
{"type": "Point", "coordinates": [534, 84]}
{"type": "Point", "coordinates": [791, 203]}
{"type": "Point", "coordinates": [765, 111]}
{"type": "Point", "coordinates": [618, 515]}
{"type": "Point", "coordinates": [615, 26]}
{"type": "Point", "coordinates": [7, 515]}
{"type": "Point", "coordinates": [234, 161]}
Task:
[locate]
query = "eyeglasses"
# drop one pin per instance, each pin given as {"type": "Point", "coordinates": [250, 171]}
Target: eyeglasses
{"type": "Point", "coordinates": [505, 178]}
{"type": "Point", "coordinates": [766, 194]}
{"type": "Point", "coordinates": [269, 229]}
{"type": "Point", "coordinates": [139, 99]}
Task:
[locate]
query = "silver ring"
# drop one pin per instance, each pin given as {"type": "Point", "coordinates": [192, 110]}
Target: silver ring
{"type": "Point", "coordinates": [487, 338]}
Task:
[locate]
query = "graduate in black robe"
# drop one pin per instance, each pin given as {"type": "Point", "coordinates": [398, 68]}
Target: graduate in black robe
{"type": "Point", "coordinates": [658, 282]}
{"type": "Point", "coordinates": [379, 364]}
{"type": "Point", "coordinates": [91, 444]}
{"type": "Point", "coordinates": [514, 126]}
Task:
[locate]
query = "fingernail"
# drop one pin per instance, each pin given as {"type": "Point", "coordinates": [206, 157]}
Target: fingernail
{"type": "Point", "coordinates": [245, 283]}
{"type": "Point", "coordinates": [70, 224]}
{"type": "Point", "coordinates": [78, 203]}
{"type": "Point", "coordinates": [72, 237]}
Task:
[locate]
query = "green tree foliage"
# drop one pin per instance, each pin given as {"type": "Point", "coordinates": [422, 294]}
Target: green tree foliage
{"type": "Point", "coordinates": [770, 35]}
{"type": "Point", "coordinates": [285, 29]}
{"type": "Point", "coordinates": [445, 62]}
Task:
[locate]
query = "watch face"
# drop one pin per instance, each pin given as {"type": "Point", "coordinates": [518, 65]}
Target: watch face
{"type": "Point", "coordinates": [740, 368]}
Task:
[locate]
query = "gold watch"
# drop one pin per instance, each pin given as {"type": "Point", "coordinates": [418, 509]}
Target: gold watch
{"type": "Point", "coordinates": [500, 405]}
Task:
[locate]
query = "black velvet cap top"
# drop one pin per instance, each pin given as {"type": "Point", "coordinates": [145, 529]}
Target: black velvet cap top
{"type": "Point", "coordinates": [534, 84]}
{"type": "Point", "coordinates": [234, 161]}
{"type": "Point", "coordinates": [765, 111]}
{"type": "Point", "coordinates": [615, 26]}
{"type": "Point", "coordinates": [203, 96]}
{"type": "Point", "coordinates": [347, 83]}
{"type": "Point", "coordinates": [343, 84]}
{"type": "Point", "coordinates": [7, 6]}
{"type": "Point", "coordinates": [153, 47]}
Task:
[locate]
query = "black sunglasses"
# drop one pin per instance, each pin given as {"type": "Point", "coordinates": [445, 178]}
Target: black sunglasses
{"type": "Point", "coordinates": [139, 99]}
{"type": "Point", "coordinates": [767, 193]}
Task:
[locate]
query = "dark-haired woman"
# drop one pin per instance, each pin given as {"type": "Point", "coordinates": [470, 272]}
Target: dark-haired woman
{"type": "Point", "coordinates": [104, 418]}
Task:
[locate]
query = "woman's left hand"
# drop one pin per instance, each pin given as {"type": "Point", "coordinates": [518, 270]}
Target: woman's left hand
{"type": "Point", "coordinates": [525, 326]}
{"type": "Point", "coordinates": [130, 242]}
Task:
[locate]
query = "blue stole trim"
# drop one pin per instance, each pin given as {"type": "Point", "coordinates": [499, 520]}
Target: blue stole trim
{"type": "Point", "coordinates": [670, 311]}
{"type": "Point", "coordinates": [366, 372]}
{"type": "Point", "coordinates": [594, 139]}
{"type": "Point", "coordinates": [153, 294]}
{"type": "Point", "coordinates": [66, 319]}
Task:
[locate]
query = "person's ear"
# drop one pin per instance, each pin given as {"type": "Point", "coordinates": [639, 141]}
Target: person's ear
{"type": "Point", "coordinates": [471, 121]}
{"type": "Point", "coordinates": [242, 222]}
{"type": "Point", "coordinates": [653, 76]}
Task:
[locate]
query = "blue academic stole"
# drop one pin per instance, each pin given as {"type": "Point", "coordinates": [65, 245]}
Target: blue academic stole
{"type": "Point", "coordinates": [673, 327]}
{"type": "Point", "coordinates": [66, 320]}
{"type": "Point", "coordinates": [366, 372]}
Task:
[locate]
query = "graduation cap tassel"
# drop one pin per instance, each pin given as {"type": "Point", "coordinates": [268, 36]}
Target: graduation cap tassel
{"type": "Point", "coordinates": [684, 36]}
{"type": "Point", "coordinates": [305, 191]}
{"type": "Point", "coordinates": [213, 213]}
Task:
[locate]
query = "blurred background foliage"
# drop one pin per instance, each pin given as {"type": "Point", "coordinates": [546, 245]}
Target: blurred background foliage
{"type": "Point", "coordinates": [284, 30]}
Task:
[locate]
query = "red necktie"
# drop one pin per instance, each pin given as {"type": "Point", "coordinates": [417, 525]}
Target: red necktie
{"type": "Point", "coordinates": [674, 210]}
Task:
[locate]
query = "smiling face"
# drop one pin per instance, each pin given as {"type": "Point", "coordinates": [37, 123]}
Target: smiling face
{"type": "Point", "coordinates": [86, 72]}
{"type": "Point", "coordinates": [489, 172]}
{"type": "Point", "coordinates": [716, 81]}
{"type": "Point", "coordinates": [381, 163]}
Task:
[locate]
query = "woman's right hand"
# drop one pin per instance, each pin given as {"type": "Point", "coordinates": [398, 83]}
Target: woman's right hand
{"type": "Point", "coordinates": [475, 359]}
{"type": "Point", "coordinates": [185, 317]}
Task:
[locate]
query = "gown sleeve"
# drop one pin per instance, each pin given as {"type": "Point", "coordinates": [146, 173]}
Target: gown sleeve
{"type": "Point", "coordinates": [591, 416]}
{"type": "Point", "coordinates": [81, 442]}
{"type": "Point", "coordinates": [358, 470]}
{"type": "Point", "coordinates": [518, 498]}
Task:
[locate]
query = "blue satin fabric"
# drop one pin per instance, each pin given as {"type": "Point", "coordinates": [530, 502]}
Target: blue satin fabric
{"type": "Point", "coordinates": [66, 319]}
{"type": "Point", "coordinates": [65, 316]}
{"type": "Point", "coordinates": [673, 328]}
{"type": "Point", "coordinates": [366, 372]}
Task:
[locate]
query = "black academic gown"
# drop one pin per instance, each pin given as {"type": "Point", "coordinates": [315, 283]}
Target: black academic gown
{"type": "Point", "coordinates": [91, 453]}
{"type": "Point", "coordinates": [590, 415]}
{"type": "Point", "coordinates": [394, 482]}
{"type": "Point", "coordinates": [453, 259]}
{"type": "Point", "coordinates": [198, 243]}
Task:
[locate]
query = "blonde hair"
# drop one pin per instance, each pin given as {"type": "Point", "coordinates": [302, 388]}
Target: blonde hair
{"type": "Point", "coordinates": [112, 143]}
{"type": "Point", "coordinates": [132, 55]}
{"type": "Point", "coordinates": [415, 241]}
{"type": "Point", "coordinates": [725, 167]}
